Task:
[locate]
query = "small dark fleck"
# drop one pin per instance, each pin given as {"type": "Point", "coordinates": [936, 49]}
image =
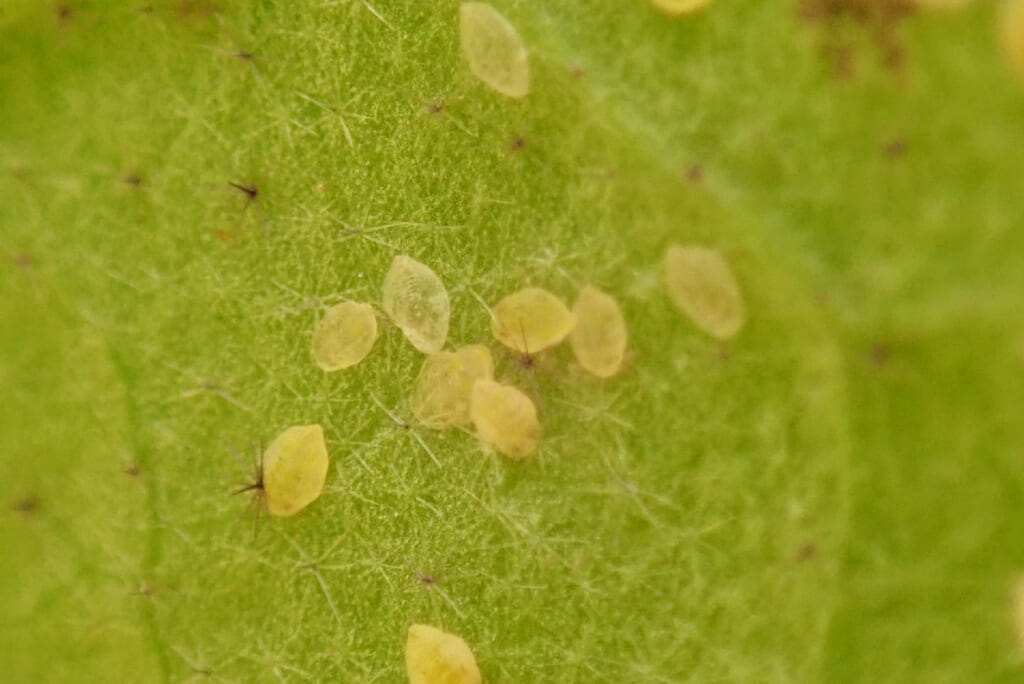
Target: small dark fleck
{"type": "Point", "coordinates": [895, 148]}
{"type": "Point", "coordinates": [133, 470]}
{"type": "Point", "coordinates": [879, 20]}
{"type": "Point", "coordinates": [133, 179]}
{"type": "Point", "coordinates": [839, 58]}
{"type": "Point", "coordinates": [65, 13]}
{"type": "Point", "coordinates": [145, 590]}
{"type": "Point", "coordinates": [806, 552]}
{"type": "Point", "coordinates": [197, 8]}
{"type": "Point", "coordinates": [251, 191]}
{"type": "Point", "coordinates": [26, 505]}
{"type": "Point", "coordinates": [518, 143]}
{"type": "Point", "coordinates": [428, 580]}
{"type": "Point", "coordinates": [880, 354]}
{"type": "Point", "coordinates": [695, 174]}
{"type": "Point", "coordinates": [225, 236]}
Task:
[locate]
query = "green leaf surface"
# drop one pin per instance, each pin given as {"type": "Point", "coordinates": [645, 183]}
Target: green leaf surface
{"type": "Point", "coordinates": [834, 495]}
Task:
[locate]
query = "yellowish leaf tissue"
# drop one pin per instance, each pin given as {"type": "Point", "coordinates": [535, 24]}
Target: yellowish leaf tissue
{"type": "Point", "coordinates": [294, 469]}
{"type": "Point", "coordinates": [701, 284]}
{"type": "Point", "coordinates": [494, 49]}
{"type": "Point", "coordinates": [344, 336]}
{"type": "Point", "coordinates": [433, 656]}
{"type": "Point", "coordinates": [600, 337]}
{"type": "Point", "coordinates": [505, 418]}
{"type": "Point", "coordinates": [1011, 28]}
{"type": "Point", "coordinates": [531, 320]}
{"type": "Point", "coordinates": [942, 5]}
{"type": "Point", "coordinates": [440, 396]}
{"type": "Point", "coordinates": [679, 7]}
{"type": "Point", "coordinates": [417, 302]}
{"type": "Point", "coordinates": [1017, 611]}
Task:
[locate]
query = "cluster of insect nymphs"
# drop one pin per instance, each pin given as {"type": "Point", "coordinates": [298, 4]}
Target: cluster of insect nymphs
{"type": "Point", "coordinates": [457, 388]}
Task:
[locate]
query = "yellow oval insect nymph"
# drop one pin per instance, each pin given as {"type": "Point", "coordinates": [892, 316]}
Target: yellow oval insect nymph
{"type": "Point", "coordinates": [600, 336]}
{"type": "Point", "coordinates": [505, 418]}
{"type": "Point", "coordinates": [294, 469]}
{"type": "Point", "coordinates": [440, 397]}
{"type": "Point", "coordinates": [344, 336]}
{"type": "Point", "coordinates": [417, 302]}
{"type": "Point", "coordinates": [701, 284]}
{"type": "Point", "coordinates": [531, 320]}
{"type": "Point", "coordinates": [433, 656]}
{"type": "Point", "coordinates": [494, 49]}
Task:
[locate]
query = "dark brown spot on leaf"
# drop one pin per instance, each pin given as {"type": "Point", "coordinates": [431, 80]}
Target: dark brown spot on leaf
{"type": "Point", "coordinates": [26, 505]}
{"type": "Point", "coordinates": [806, 552]}
{"type": "Point", "coordinates": [844, 21]}
{"type": "Point", "coordinates": [895, 148]}
{"type": "Point", "coordinates": [880, 354]}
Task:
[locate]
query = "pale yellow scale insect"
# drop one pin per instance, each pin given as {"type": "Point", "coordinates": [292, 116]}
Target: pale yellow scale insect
{"type": "Point", "coordinates": [344, 336]}
{"type": "Point", "coordinates": [702, 285]}
{"type": "Point", "coordinates": [294, 469]}
{"type": "Point", "coordinates": [531, 320]}
{"type": "Point", "coordinates": [1011, 31]}
{"type": "Point", "coordinates": [600, 337]}
{"type": "Point", "coordinates": [679, 7]}
{"type": "Point", "coordinates": [440, 396]}
{"type": "Point", "coordinates": [433, 656]}
{"type": "Point", "coordinates": [505, 418]}
{"type": "Point", "coordinates": [417, 302]}
{"type": "Point", "coordinates": [494, 49]}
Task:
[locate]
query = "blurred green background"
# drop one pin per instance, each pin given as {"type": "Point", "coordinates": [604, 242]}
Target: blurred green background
{"type": "Point", "coordinates": [834, 496]}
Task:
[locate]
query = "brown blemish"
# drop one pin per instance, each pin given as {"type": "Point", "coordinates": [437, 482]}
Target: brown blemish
{"type": "Point", "coordinates": [26, 505]}
{"type": "Point", "coordinates": [895, 148]}
{"type": "Point", "coordinates": [225, 236]}
{"type": "Point", "coordinates": [806, 552]}
{"type": "Point", "coordinates": [251, 192]}
{"type": "Point", "coordinates": [65, 14]}
{"type": "Point", "coordinates": [145, 590]}
{"type": "Point", "coordinates": [880, 354]}
{"type": "Point", "coordinates": [252, 197]}
{"type": "Point", "coordinates": [255, 487]}
{"type": "Point", "coordinates": [24, 260]}
{"type": "Point", "coordinates": [197, 9]}
{"type": "Point", "coordinates": [878, 20]}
